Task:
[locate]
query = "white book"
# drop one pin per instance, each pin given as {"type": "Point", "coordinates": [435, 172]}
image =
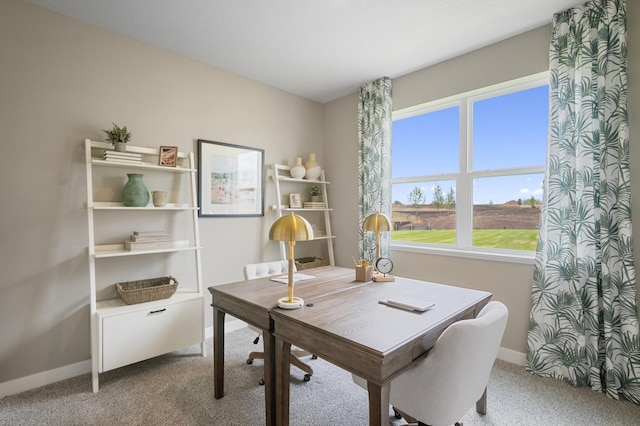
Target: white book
{"type": "Point", "coordinates": [149, 233]}
{"type": "Point", "coordinates": [122, 154]}
{"type": "Point", "coordinates": [150, 238]}
{"type": "Point", "coordinates": [134, 246]}
{"type": "Point", "coordinates": [123, 161]}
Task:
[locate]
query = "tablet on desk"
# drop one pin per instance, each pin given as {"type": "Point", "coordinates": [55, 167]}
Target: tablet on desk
{"type": "Point", "coordinates": [296, 278]}
{"type": "Point", "coordinates": [409, 303]}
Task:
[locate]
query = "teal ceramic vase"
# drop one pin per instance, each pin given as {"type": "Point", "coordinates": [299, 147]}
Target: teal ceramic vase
{"type": "Point", "coordinates": [135, 193]}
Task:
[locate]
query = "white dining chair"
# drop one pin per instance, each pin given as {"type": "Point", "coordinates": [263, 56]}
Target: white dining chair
{"type": "Point", "coordinates": [268, 269]}
{"type": "Point", "coordinates": [440, 389]}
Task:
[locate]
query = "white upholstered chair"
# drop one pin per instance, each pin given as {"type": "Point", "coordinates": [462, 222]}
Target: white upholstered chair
{"type": "Point", "coordinates": [268, 269]}
{"type": "Point", "coordinates": [440, 389]}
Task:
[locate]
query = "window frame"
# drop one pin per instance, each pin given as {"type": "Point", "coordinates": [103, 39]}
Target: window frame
{"type": "Point", "coordinates": [465, 175]}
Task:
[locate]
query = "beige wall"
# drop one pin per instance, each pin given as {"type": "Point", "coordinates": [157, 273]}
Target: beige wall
{"type": "Point", "coordinates": [513, 58]}
{"type": "Point", "coordinates": [62, 81]}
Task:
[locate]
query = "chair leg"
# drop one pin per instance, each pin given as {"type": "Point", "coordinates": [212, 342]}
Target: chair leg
{"type": "Point", "coordinates": [302, 366]}
{"type": "Point", "coordinates": [411, 421]}
{"type": "Point", "coordinates": [481, 404]}
{"type": "Point", "coordinates": [255, 355]}
{"type": "Point", "coordinates": [294, 361]}
{"type": "Point", "coordinates": [402, 415]}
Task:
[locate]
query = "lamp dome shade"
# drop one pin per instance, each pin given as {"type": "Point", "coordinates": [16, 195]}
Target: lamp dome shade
{"type": "Point", "coordinates": [377, 222]}
{"type": "Point", "coordinates": [291, 228]}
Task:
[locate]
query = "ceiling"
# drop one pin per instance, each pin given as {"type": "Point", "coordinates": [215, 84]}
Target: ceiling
{"type": "Point", "coordinates": [318, 49]}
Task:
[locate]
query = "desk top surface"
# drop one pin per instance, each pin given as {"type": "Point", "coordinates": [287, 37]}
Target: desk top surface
{"type": "Point", "coordinates": [264, 293]}
{"type": "Point", "coordinates": [357, 317]}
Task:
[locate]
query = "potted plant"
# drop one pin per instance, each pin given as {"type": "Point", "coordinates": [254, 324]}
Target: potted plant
{"type": "Point", "coordinates": [118, 137]}
{"type": "Point", "coordinates": [316, 193]}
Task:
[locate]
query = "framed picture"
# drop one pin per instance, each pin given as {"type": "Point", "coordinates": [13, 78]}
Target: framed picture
{"type": "Point", "coordinates": [294, 201]}
{"type": "Point", "coordinates": [230, 180]}
{"type": "Point", "coordinates": [168, 156]}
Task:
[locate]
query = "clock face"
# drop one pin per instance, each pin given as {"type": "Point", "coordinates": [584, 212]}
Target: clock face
{"type": "Point", "coordinates": [384, 265]}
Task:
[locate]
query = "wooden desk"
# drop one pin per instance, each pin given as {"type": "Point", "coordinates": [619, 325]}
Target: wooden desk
{"type": "Point", "coordinates": [376, 342]}
{"type": "Point", "coordinates": [251, 301]}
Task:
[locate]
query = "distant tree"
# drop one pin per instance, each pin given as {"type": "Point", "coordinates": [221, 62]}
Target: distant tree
{"type": "Point", "coordinates": [451, 199]}
{"type": "Point", "coordinates": [416, 198]}
{"type": "Point", "coordinates": [519, 201]}
{"type": "Point", "coordinates": [490, 202]}
{"type": "Point", "coordinates": [397, 203]}
{"type": "Point", "coordinates": [532, 201]}
{"type": "Point", "coordinates": [438, 197]}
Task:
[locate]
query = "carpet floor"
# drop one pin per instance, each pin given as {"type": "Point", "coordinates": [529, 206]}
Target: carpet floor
{"type": "Point", "coordinates": [177, 389]}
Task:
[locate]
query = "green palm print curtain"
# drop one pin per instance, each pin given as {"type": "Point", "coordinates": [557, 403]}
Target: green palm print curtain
{"type": "Point", "coordinates": [374, 166]}
{"type": "Point", "coordinates": [584, 325]}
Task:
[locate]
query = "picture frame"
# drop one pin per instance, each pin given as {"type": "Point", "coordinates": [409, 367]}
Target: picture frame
{"type": "Point", "coordinates": [230, 180]}
{"type": "Point", "coordinates": [295, 202]}
{"type": "Point", "coordinates": [168, 156]}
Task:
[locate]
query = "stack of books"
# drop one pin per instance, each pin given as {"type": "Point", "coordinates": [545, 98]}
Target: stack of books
{"type": "Point", "coordinates": [122, 157]}
{"type": "Point", "coordinates": [315, 205]}
{"type": "Point", "coordinates": [148, 240]}
{"type": "Point", "coordinates": [317, 230]}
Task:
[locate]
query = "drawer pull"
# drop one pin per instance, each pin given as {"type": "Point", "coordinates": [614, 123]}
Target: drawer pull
{"type": "Point", "coordinates": [158, 311]}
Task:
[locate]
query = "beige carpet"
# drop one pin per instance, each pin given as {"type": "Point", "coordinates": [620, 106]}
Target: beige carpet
{"type": "Point", "coordinates": [177, 389]}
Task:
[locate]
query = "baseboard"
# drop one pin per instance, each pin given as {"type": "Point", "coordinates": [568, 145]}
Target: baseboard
{"type": "Point", "coordinates": [23, 384]}
{"type": "Point", "coordinates": [511, 356]}
{"type": "Point", "coordinates": [37, 380]}
{"type": "Point", "coordinates": [229, 326]}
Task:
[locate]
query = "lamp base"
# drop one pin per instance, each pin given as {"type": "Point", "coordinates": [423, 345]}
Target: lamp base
{"type": "Point", "coordinates": [285, 304]}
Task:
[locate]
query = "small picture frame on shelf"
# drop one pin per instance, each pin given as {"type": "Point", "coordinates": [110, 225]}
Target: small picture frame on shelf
{"type": "Point", "coordinates": [168, 156]}
{"type": "Point", "coordinates": [295, 202]}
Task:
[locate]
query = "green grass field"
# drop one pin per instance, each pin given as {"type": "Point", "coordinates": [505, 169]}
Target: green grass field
{"type": "Point", "coordinates": [511, 239]}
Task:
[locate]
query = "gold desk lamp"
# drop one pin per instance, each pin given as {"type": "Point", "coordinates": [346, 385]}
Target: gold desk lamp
{"type": "Point", "coordinates": [379, 222]}
{"type": "Point", "coordinates": [291, 228]}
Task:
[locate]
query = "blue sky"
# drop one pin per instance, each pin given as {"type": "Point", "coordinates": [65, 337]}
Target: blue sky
{"type": "Point", "coordinates": [508, 131]}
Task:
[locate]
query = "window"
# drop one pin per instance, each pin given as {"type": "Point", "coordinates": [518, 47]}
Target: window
{"type": "Point", "coordinates": [468, 171]}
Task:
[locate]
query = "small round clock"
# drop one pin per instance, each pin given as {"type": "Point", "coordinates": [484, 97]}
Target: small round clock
{"type": "Point", "coordinates": [384, 265]}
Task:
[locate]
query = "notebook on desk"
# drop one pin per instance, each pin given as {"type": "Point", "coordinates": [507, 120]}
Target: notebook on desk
{"type": "Point", "coordinates": [409, 303]}
{"type": "Point", "coordinates": [296, 278]}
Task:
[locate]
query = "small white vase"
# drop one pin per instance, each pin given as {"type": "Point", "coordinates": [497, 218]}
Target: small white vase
{"type": "Point", "coordinates": [313, 168]}
{"type": "Point", "coordinates": [298, 170]}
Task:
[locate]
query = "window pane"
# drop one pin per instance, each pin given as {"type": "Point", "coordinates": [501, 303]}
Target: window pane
{"type": "Point", "coordinates": [511, 130]}
{"type": "Point", "coordinates": [426, 144]}
{"type": "Point", "coordinates": [425, 212]}
{"type": "Point", "coordinates": [506, 211]}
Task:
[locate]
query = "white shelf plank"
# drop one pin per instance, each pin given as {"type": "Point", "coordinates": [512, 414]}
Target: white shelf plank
{"type": "Point", "coordinates": [117, 250]}
{"type": "Point", "coordinates": [288, 179]}
{"type": "Point", "coordinates": [115, 205]}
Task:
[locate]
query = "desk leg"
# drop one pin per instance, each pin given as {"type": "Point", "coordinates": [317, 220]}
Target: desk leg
{"type": "Point", "coordinates": [218, 353]}
{"type": "Point", "coordinates": [283, 379]}
{"type": "Point", "coordinates": [378, 404]}
{"type": "Point", "coordinates": [269, 377]}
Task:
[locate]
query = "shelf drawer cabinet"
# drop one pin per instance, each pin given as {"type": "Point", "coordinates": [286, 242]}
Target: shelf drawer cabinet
{"type": "Point", "coordinates": [123, 334]}
{"type": "Point", "coordinates": [146, 333]}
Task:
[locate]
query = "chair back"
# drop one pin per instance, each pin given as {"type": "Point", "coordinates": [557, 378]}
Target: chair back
{"type": "Point", "coordinates": [440, 389]}
{"type": "Point", "coordinates": [266, 269]}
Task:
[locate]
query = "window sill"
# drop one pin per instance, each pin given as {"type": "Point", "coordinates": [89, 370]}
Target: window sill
{"type": "Point", "coordinates": [511, 256]}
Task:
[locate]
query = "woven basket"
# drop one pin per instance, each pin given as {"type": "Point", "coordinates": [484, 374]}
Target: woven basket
{"type": "Point", "coordinates": [141, 291]}
{"type": "Point", "coordinates": [310, 262]}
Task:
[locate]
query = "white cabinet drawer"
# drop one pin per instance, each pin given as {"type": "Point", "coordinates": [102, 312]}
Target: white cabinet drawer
{"type": "Point", "coordinates": [146, 333]}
